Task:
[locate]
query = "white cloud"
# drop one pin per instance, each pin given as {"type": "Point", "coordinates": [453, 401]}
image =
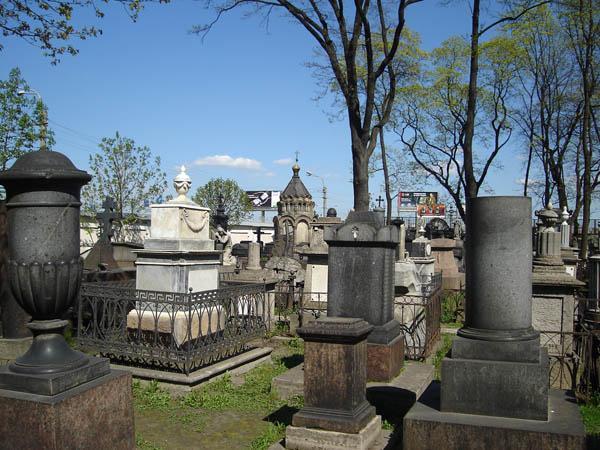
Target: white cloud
{"type": "Point", "coordinates": [269, 174]}
{"type": "Point", "coordinates": [283, 161]}
{"type": "Point", "coordinates": [228, 161]}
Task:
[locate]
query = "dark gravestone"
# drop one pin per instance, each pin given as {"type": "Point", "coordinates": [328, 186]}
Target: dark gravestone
{"type": "Point", "coordinates": [361, 284]}
{"type": "Point", "coordinates": [101, 255]}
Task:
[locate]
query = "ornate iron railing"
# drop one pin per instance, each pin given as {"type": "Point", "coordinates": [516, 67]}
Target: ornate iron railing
{"type": "Point", "coordinates": [574, 350]}
{"type": "Point", "coordinates": [420, 316]}
{"type": "Point", "coordinates": [167, 330]}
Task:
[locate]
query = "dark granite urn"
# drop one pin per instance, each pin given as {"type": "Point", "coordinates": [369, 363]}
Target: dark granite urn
{"type": "Point", "coordinates": [45, 268]}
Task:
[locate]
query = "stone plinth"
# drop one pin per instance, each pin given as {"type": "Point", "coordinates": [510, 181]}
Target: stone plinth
{"type": "Point", "coordinates": [95, 415]}
{"type": "Point", "coordinates": [316, 278]}
{"type": "Point", "coordinates": [361, 277]}
{"type": "Point", "coordinates": [425, 427]}
{"type": "Point", "coordinates": [179, 220]}
{"type": "Point", "coordinates": [177, 271]}
{"type": "Point", "coordinates": [335, 349]}
{"type": "Point", "coordinates": [443, 252]}
{"type": "Point", "coordinates": [253, 256]}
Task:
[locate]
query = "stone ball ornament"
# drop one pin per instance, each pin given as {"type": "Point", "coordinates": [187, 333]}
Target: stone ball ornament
{"type": "Point", "coordinates": [44, 263]}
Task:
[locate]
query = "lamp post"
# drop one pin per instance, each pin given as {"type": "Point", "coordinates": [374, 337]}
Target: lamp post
{"type": "Point", "coordinates": [43, 116]}
{"type": "Point", "coordinates": [311, 174]}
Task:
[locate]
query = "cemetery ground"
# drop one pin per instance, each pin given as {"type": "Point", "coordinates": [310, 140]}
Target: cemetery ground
{"type": "Point", "coordinates": [238, 411]}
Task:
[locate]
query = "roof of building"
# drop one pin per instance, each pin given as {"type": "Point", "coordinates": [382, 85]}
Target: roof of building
{"type": "Point", "coordinates": [296, 188]}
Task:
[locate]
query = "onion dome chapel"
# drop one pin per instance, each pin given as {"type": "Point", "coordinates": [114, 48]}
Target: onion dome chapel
{"type": "Point", "coordinates": [296, 211]}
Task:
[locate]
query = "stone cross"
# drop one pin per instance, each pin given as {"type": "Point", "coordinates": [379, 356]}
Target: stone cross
{"type": "Point", "coordinates": [106, 218]}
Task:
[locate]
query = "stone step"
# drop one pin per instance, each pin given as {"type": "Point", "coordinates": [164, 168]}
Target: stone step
{"type": "Point", "coordinates": [414, 378]}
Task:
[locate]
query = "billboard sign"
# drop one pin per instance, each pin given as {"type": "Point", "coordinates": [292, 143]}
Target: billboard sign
{"type": "Point", "coordinates": [263, 200]}
{"type": "Point", "coordinates": [409, 201]}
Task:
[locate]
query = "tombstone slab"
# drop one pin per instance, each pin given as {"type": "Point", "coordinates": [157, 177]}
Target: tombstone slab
{"type": "Point", "coordinates": [361, 284]}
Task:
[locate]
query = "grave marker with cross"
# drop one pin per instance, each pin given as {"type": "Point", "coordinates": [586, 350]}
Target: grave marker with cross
{"type": "Point", "coordinates": [106, 219]}
{"type": "Point", "coordinates": [379, 201]}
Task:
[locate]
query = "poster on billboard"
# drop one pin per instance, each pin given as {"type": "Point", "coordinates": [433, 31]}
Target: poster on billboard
{"type": "Point", "coordinates": [409, 201]}
{"type": "Point", "coordinates": [436, 210]}
{"type": "Point", "coordinates": [263, 200]}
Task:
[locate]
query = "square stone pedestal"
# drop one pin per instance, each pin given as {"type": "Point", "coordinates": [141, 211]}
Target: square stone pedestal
{"type": "Point", "coordinates": [384, 361]}
{"type": "Point", "coordinates": [300, 438]}
{"type": "Point", "coordinates": [94, 415]}
{"type": "Point", "coordinates": [425, 427]}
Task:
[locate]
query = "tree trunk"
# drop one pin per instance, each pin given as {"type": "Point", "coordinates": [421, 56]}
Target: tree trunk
{"type": "Point", "coordinates": [386, 179]}
{"type": "Point", "coordinates": [360, 173]}
{"type": "Point", "coordinates": [471, 183]}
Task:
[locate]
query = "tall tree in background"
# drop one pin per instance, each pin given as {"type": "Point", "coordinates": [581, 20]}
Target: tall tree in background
{"type": "Point", "coordinates": [431, 115]}
{"type": "Point", "coordinates": [236, 201]}
{"type": "Point", "coordinates": [51, 24]}
{"type": "Point", "coordinates": [549, 107]}
{"type": "Point", "coordinates": [343, 34]}
{"type": "Point", "coordinates": [581, 19]}
{"type": "Point", "coordinates": [20, 120]}
{"type": "Point", "coordinates": [125, 172]}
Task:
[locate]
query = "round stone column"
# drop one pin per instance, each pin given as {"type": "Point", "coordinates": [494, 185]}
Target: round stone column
{"type": "Point", "coordinates": [498, 270]}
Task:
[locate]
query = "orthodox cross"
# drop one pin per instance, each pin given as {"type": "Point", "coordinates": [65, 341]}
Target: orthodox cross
{"type": "Point", "coordinates": [106, 218]}
{"type": "Point", "coordinates": [379, 201]}
{"type": "Point", "coordinates": [297, 153]}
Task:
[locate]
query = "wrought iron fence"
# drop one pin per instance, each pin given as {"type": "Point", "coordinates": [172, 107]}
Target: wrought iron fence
{"type": "Point", "coordinates": [167, 330]}
{"type": "Point", "coordinates": [420, 316]}
{"type": "Point", "coordinates": [574, 353]}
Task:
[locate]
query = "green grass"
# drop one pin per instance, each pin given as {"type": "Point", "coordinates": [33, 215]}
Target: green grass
{"type": "Point", "coordinates": [150, 396]}
{"type": "Point", "coordinates": [143, 444]}
{"type": "Point", "coordinates": [274, 432]}
{"type": "Point", "coordinates": [441, 353]}
{"type": "Point", "coordinates": [452, 307]}
{"type": "Point", "coordinates": [387, 425]}
{"type": "Point", "coordinates": [590, 412]}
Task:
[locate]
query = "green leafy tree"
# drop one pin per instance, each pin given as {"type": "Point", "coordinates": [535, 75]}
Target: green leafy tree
{"type": "Point", "coordinates": [344, 32]}
{"type": "Point", "coordinates": [20, 120]}
{"type": "Point", "coordinates": [52, 25]}
{"type": "Point", "coordinates": [236, 201]}
{"type": "Point", "coordinates": [125, 172]}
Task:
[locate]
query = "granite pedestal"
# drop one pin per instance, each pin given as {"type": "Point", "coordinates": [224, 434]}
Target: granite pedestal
{"type": "Point", "coordinates": [362, 253]}
{"type": "Point", "coordinates": [426, 427]}
{"type": "Point", "coordinates": [335, 378]}
{"type": "Point", "coordinates": [94, 415]}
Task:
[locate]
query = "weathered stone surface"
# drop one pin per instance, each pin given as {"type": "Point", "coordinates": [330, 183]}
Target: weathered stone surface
{"type": "Point", "coordinates": [384, 361]}
{"type": "Point", "coordinates": [301, 438]}
{"type": "Point", "coordinates": [10, 349]}
{"type": "Point", "coordinates": [496, 388]}
{"type": "Point", "coordinates": [519, 351]}
{"type": "Point", "coordinates": [425, 427]}
{"type": "Point", "coordinates": [335, 350]}
{"type": "Point", "coordinates": [253, 256]}
{"type": "Point", "coordinates": [53, 383]}
{"type": "Point", "coordinates": [95, 415]}
{"type": "Point", "coordinates": [361, 273]}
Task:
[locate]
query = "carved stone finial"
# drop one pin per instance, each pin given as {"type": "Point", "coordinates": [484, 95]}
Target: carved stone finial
{"type": "Point", "coordinates": [182, 183]}
{"type": "Point", "coordinates": [565, 214]}
{"type": "Point", "coordinates": [548, 217]}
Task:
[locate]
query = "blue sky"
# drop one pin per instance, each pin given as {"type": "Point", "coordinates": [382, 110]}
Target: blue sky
{"type": "Point", "coordinates": [242, 98]}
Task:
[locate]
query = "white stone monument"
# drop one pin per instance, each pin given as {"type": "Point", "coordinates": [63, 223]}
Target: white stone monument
{"type": "Point", "coordinates": [178, 257]}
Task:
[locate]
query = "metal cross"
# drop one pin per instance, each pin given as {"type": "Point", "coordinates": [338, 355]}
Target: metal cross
{"type": "Point", "coordinates": [297, 153]}
{"type": "Point", "coordinates": [258, 234]}
{"type": "Point", "coordinates": [379, 201]}
{"type": "Point", "coordinates": [106, 218]}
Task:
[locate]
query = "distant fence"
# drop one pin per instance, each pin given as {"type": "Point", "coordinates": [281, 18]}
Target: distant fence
{"type": "Point", "coordinates": [167, 330]}
{"type": "Point", "coordinates": [420, 317]}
